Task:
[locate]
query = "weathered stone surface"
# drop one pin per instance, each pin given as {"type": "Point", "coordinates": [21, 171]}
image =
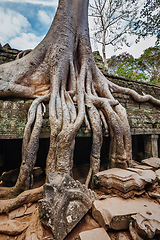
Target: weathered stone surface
{"type": "Point", "coordinates": [122, 236]}
{"type": "Point", "coordinates": [120, 179]}
{"type": "Point", "coordinates": [126, 182]}
{"type": "Point", "coordinates": [158, 175]}
{"type": "Point", "coordinates": [143, 167]}
{"type": "Point", "coordinates": [64, 204]}
{"type": "Point", "coordinates": [153, 162]}
{"type": "Point", "coordinates": [87, 223]}
{"type": "Point", "coordinates": [116, 212]}
{"type": "Point", "coordinates": [147, 223]}
{"type": "Point", "coordinates": [147, 175]}
{"type": "Point", "coordinates": [13, 227]}
{"type": "Point", "coordinates": [95, 234]}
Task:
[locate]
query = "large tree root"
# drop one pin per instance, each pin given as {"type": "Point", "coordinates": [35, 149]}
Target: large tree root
{"type": "Point", "coordinates": [25, 197]}
{"type": "Point", "coordinates": [62, 69]}
{"type": "Point", "coordinates": [29, 149]}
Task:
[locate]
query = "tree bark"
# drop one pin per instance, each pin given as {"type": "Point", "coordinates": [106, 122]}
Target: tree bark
{"type": "Point", "coordinates": [104, 49]}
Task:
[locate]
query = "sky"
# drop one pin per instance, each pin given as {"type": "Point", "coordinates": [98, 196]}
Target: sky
{"type": "Point", "coordinates": [24, 23]}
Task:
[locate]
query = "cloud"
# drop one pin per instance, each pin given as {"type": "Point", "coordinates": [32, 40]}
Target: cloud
{"type": "Point", "coordinates": [26, 41]}
{"type": "Point", "coordinates": [43, 2]}
{"type": "Point", "coordinates": [135, 49]}
{"type": "Point", "coordinates": [44, 17]}
{"type": "Point", "coordinates": [12, 23]}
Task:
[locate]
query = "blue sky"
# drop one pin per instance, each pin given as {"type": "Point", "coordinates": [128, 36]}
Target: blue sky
{"type": "Point", "coordinates": [24, 23]}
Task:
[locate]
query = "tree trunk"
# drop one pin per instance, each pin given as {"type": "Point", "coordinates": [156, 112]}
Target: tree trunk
{"type": "Point", "coordinates": [104, 49]}
{"type": "Point", "coordinates": [62, 70]}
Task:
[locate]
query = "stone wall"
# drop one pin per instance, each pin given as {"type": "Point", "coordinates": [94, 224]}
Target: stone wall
{"type": "Point", "coordinates": [7, 53]}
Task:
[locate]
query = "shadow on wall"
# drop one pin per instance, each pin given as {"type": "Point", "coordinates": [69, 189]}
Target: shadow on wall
{"type": "Point", "coordinates": [10, 152]}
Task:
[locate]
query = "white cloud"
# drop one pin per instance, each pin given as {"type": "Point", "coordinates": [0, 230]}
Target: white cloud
{"type": "Point", "coordinates": [11, 24]}
{"type": "Point", "coordinates": [135, 49]}
{"type": "Point", "coordinates": [43, 2]}
{"type": "Point", "coordinates": [25, 41]}
{"type": "Point", "coordinates": [44, 17]}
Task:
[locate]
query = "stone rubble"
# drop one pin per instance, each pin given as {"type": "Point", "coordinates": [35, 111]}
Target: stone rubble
{"type": "Point", "coordinates": [67, 202]}
{"type": "Point", "coordinates": [139, 216]}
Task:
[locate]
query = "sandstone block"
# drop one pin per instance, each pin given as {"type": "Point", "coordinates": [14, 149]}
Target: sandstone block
{"type": "Point", "coordinates": [153, 162]}
{"type": "Point", "coordinates": [116, 212]}
{"type": "Point", "coordinates": [95, 234]}
{"type": "Point", "coordinates": [125, 183]}
{"type": "Point", "coordinates": [120, 179]}
{"type": "Point", "coordinates": [148, 176]}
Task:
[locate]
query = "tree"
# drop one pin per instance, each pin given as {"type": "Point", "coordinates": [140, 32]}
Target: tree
{"type": "Point", "coordinates": [125, 65]}
{"type": "Point", "coordinates": [151, 60]}
{"type": "Point", "coordinates": [144, 68]}
{"type": "Point", "coordinates": [62, 70]}
{"type": "Point", "coordinates": [113, 20]}
{"type": "Point", "coordinates": [149, 22]}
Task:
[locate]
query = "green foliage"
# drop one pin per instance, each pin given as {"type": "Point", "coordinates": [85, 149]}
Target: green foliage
{"type": "Point", "coordinates": [151, 60]}
{"type": "Point", "coordinates": [144, 68]}
{"type": "Point", "coordinates": [130, 71]}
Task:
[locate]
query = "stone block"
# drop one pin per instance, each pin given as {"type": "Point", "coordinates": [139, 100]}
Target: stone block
{"type": "Point", "coordinates": [116, 212]}
{"type": "Point", "coordinates": [127, 183]}
{"type": "Point", "coordinates": [153, 162]}
{"type": "Point", "coordinates": [95, 234]}
{"type": "Point", "coordinates": [120, 179]}
{"type": "Point", "coordinates": [65, 203]}
{"type": "Point", "coordinates": [148, 176]}
{"type": "Point", "coordinates": [122, 236]}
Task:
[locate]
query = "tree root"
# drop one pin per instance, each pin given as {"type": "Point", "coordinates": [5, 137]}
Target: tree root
{"type": "Point", "coordinates": [29, 150]}
{"type": "Point", "coordinates": [29, 196]}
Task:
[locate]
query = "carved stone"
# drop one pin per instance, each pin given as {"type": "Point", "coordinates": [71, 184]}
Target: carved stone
{"type": "Point", "coordinates": [115, 212]}
{"type": "Point", "coordinates": [147, 223]}
{"type": "Point", "coordinates": [64, 204]}
{"type": "Point", "coordinates": [125, 183]}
